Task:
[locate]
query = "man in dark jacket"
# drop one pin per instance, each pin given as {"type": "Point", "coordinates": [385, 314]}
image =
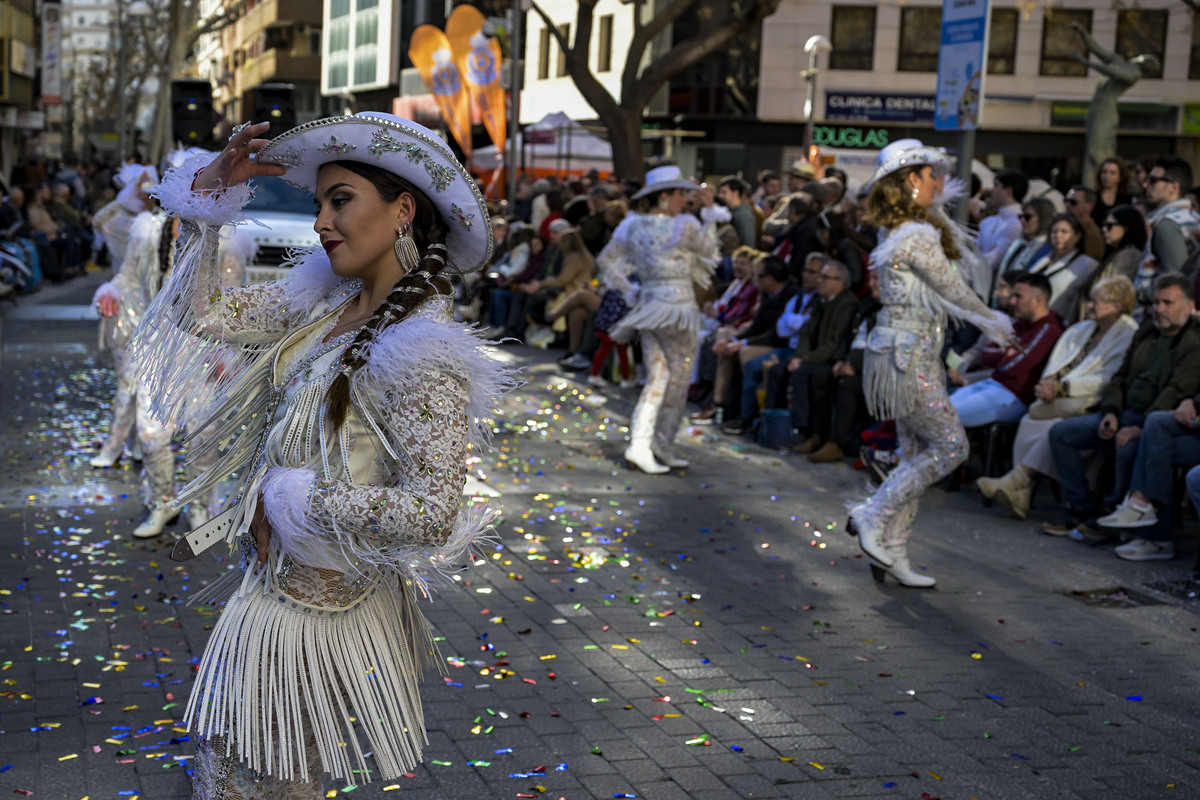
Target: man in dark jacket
{"type": "Point", "coordinates": [761, 345]}
{"type": "Point", "coordinates": [811, 366]}
{"type": "Point", "coordinates": [1161, 368]}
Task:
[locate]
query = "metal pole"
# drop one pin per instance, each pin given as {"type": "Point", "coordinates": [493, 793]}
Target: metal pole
{"type": "Point", "coordinates": [810, 100]}
{"type": "Point", "coordinates": [966, 155]}
{"type": "Point", "coordinates": [121, 112]}
{"type": "Point", "coordinates": [515, 79]}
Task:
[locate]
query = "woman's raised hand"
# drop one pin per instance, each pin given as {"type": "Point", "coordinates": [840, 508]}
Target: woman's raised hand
{"type": "Point", "coordinates": [233, 165]}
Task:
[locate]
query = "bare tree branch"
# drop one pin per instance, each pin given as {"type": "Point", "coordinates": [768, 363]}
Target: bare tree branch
{"type": "Point", "coordinates": [592, 90]}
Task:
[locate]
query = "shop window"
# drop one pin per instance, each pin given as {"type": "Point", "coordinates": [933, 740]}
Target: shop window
{"type": "Point", "coordinates": [853, 37]}
{"type": "Point", "coordinates": [920, 38]}
{"type": "Point", "coordinates": [544, 54]}
{"type": "Point", "coordinates": [604, 45]}
{"type": "Point", "coordinates": [1143, 31]}
{"type": "Point", "coordinates": [1059, 42]}
{"type": "Point", "coordinates": [565, 30]}
{"type": "Point", "coordinates": [1002, 42]}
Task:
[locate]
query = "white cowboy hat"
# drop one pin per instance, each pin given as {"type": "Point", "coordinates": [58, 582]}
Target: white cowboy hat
{"type": "Point", "coordinates": [910, 153]}
{"type": "Point", "coordinates": [405, 148]}
{"type": "Point", "coordinates": [662, 179]}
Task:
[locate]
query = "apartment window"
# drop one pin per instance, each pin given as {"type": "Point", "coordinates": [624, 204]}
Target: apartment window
{"type": "Point", "coordinates": [853, 37]}
{"type": "Point", "coordinates": [544, 55]}
{"type": "Point", "coordinates": [565, 30]}
{"type": "Point", "coordinates": [338, 8]}
{"type": "Point", "coordinates": [604, 57]}
{"type": "Point", "coordinates": [1143, 31]}
{"type": "Point", "coordinates": [1002, 41]}
{"type": "Point", "coordinates": [1059, 42]}
{"type": "Point", "coordinates": [1194, 61]}
{"type": "Point", "coordinates": [920, 37]}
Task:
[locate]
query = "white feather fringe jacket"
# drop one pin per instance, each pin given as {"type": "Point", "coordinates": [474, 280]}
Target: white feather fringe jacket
{"type": "Point", "coordinates": [327, 641]}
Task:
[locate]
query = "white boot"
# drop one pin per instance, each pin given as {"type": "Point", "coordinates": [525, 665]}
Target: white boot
{"type": "Point", "coordinates": [1012, 492]}
{"type": "Point", "coordinates": [104, 461]}
{"type": "Point", "coordinates": [903, 572]}
{"type": "Point", "coordinates": [153, 525]}
{"type": "Point", "coordinates": [642, 457]}
{"type": "Point", "coordinates": [674, 462]}
{"type": "Point", "coordinates": [870, 535]}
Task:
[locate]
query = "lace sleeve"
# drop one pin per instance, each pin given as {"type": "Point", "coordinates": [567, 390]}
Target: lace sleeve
{"type": "Point", "coordinates": [615, 262]}
{"type": "Point", "coordinates": [389, 523]}
{"type": "Point", "coordinates": [701, 241]}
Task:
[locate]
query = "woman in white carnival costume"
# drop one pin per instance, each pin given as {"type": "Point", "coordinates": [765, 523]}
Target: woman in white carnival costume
{"type": "Point", "coordinates": [904, 378]}
{"type": "Point", "coordinates": [347, 402]}
{"type": "Point", "coordinates": [669, 251]}
{"type": "Point", "coordinates": [114, 225]}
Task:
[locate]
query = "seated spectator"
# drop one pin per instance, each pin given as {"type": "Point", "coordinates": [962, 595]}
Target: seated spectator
{"type": "Point", "coordinates": [761, 345]}
{"type": "Point", "coordinates": [1112, 187]}
{"type": "Point", "coordinates": [811, 365]}
{"type": "Point", "coordinates": [594, 226]}
{"type": "Point", "coordinates": [800, 237]}
{"type": "Point", "coordinates": [849, 403]}
{"type": "Point", "coordinates": [1169, 439]}
{"type": "Point", "coordinates": [1125, 234]}
{"type": "Point", "coordinates": [733, 192]}
{"type": "Point", "coordinates": [767, 194]}
{"type": "Point", "coordinates": [1005, 395]}
{"type": "Point", "coordinates": [525, 301]}
{"type": "Point", "coordinates": [1160, 369]}
{"type": "Point", "coordinates": [46, 235]}
{"type": "Point", "coordinates": [1031, 245]}
{"type": "Point", "coordinates": [574, 296]}
{"type": "Point", "coordinates": [1066, 266]}
{"type": "Point", "coordinates": [842, 243]}
{"type": "Point", "coordinates": [1083, 361]}
{"type": "Point", "coordinates": [1000, 228]}
{"type": "Point", "coordinates": [1080, 201]}
{"type": "Point", "coordinates": [728, 318]}
{"type": "Point", "coordinates": [521, 248]}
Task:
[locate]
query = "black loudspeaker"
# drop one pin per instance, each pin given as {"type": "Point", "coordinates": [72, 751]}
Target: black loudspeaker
{"type": "Point", "coordinates": [275, 103]}
{"type": "Point", "coordinates": [192, 116]}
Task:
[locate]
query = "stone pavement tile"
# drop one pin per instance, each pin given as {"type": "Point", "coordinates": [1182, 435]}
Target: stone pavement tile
{"type": "Point", "coordinates": [609, 785]}
{"type": "Point", "coordinates": [752, 786]}
{"type": "Point", "coordinates": [640, 771]}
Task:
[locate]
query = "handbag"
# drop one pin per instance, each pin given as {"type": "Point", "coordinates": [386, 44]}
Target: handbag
{"type": "Point", "coordinates": [1061, 407]}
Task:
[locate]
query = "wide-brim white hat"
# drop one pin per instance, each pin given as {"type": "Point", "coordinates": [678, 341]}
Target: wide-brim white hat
{"type": "Point", "coordinates": [405, 148]}
{"type": "Point", "coordinates": [917, 155]}
{"type": "Point", "coordinates": [664, 179]}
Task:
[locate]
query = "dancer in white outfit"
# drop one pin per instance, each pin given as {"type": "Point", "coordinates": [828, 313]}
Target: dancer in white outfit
{"type": "Point", "coordinates": [904, 378]}
{"type": "Point", "coordinates": [669, 251]}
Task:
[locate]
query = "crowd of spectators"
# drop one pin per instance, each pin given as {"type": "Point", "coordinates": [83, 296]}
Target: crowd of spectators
{"type": "Point", "coordinates": [46, 221]}
{"type": "Point", "coordinates": [1097, 396]}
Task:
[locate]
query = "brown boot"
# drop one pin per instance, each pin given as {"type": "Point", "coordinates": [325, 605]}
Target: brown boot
{"type": "Point", "coordinates": [827, 454]}
{"type": "Point", "coordinates": [1012, 492]}
{"type": "Point", "coordinates": [808, 445]}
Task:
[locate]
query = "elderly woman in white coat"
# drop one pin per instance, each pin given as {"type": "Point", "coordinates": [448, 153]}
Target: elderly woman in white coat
{"type": "Point", "coordinates": [1083, 361]}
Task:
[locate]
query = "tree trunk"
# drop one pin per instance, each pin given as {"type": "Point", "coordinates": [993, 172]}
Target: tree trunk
{"type": "Point", "coordinates": [625, 136]}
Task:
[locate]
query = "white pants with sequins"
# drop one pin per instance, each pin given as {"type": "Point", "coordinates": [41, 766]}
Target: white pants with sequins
{"type": "Point", "coordinates": [124, 413]}
{"type": "Point", "coordinates": [158, 462]}
{"type": "Point", "coordinates": [932, 443]}
{"type": "Point", "coordinates": [668, 354]}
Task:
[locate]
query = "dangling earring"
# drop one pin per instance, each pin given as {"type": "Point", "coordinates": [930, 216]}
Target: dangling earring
{"type": "Point", "coordinates": [406, 248]}
{"type": "Point", "coordinates": [663, 202]}
{"type": "Point", "coordinates": [916, 192]}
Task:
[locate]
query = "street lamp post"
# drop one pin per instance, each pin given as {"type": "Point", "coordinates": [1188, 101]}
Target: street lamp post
{"type": "Point", "coordinates": [516, 78]}
{"type": "Point", "coordinates": [137, 8]}
{"type": "Point", "coordinates": [814, 47]}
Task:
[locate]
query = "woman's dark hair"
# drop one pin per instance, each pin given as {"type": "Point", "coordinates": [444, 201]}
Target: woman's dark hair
{"type": "Point", "coordinates": [1134, 224]}
{"type": "Point", "coordinates": [1044, 209]}
{"type": "Point", "coordinates": [1122, 173]}
{"type": "Point", "coordinates": [429, 233]}
{"type": "Point", "coordinates": [1075, 224]}
{"type": "Point", "coordinates": [166, 245]}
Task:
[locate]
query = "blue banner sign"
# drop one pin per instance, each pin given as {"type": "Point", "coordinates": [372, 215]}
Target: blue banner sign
{"type": "Point", "coordinates": [962, 60]}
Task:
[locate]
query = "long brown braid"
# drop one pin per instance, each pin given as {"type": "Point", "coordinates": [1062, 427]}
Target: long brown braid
{"type": "Point", "coordinates": [429, 233]}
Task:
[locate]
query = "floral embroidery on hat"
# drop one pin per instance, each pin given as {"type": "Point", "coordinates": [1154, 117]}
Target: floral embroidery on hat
{"type": "Point", "coordinates": [336, 147]}
{"type": "Point", "coordinates": [464, 219]}
{"type": "Point", "coordinates": [382, 142]}
{"type": "Point", "coordinates": [290, 158]}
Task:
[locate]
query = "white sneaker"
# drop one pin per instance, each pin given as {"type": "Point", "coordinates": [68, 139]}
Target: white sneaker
{"type": "Point", "coordinates": [1146, 550]}
{"type": "Point", "coordinates": [153, 524]}
{"type": "Point", "coordinates": [1129, 515]}
{"type": "Point", "coordinates": [597, 382]}
{"type": "Point", "coordinates": [628, 383]}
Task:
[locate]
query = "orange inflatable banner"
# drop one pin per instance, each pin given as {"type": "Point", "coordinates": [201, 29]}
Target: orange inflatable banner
{"type": "Point", "coordinates": [479, 58]}
{"type": "Point", "coordinates": [430, 52]}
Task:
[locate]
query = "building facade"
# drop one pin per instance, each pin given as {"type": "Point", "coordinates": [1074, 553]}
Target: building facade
{"type": "Point", "coordinates": [20, 119]}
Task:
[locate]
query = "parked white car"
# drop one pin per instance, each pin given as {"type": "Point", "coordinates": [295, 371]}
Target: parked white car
{"type": "Point", "coordinates": [288, 213]}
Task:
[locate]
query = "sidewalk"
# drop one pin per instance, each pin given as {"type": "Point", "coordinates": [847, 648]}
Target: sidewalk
{"type": "Point", "coordinates": [710, 634]}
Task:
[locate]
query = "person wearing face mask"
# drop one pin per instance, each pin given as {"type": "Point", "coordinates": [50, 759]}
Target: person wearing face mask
{"type": "Point", "coordinates": [1066, 266]}
{"type": "Point", "coordinates": [904, 377]}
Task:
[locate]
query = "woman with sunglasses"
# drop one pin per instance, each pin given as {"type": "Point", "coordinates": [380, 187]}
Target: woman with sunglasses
{"type": "Point", "coordinates": [1031, 245]}
{"type": "Point", "coordinates": [1066, 266]}
{"type": "Point", "coordinates": [1124, 230]}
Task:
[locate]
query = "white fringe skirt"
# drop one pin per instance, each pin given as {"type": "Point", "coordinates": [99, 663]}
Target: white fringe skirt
{"type": "Point", "coordinates": [276, 668]}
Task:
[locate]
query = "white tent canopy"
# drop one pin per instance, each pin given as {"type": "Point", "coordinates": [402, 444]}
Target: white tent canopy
{"type": "Point", "coordinates": [557, 144]}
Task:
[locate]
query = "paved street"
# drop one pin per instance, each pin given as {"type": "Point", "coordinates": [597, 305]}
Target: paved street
{"type": "Point", "coordinates": [711, 634]}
